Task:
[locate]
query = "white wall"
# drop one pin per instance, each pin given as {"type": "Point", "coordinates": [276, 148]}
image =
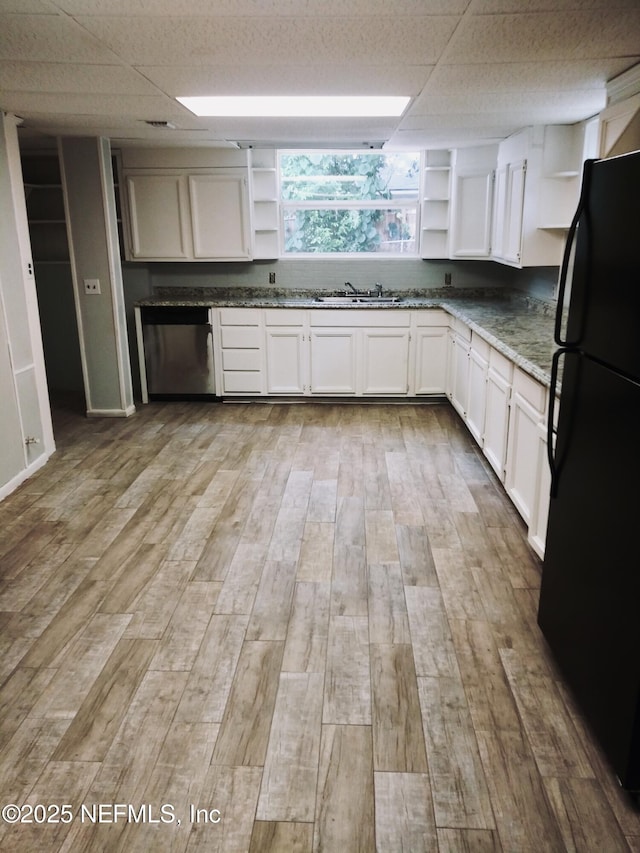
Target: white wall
{"type": "Point", "coordinates": [94, 250]}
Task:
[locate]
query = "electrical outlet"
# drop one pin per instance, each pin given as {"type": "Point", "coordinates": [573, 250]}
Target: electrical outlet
{"type": "Point", "coordinates": [92, 285]}
{"type": "Point", "coordinates": [447, 279]}
{"type": "Point", "coordinates": [272, 278]}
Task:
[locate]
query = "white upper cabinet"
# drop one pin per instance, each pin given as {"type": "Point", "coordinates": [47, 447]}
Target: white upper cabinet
{"type": "Point", "coordinates": [471, 202]}
{"type": "Point", "coordinates": [265, 205]}
{"type": "Point", "coordinates": [186, 205]}
{"type": "Point", "coordinates": [435, 209]}
{"type": "Point", "coordinates": [619, 123]}
{"type": "Point", "coordinates": [535, 195]}
{"type": "Point", "coordinates": [220, 215]}
{"type": "Point", "coordinates": [158, 216]}
{"type": "Point", "coordinates": [516, 174]}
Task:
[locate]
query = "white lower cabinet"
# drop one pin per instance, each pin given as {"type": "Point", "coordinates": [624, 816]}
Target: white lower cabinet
{"type": "Point", "coordinates": [496, 419]}
{"type": "Point", "coordinates": [526, 415]}
{"type": "Point", "coordinates": [360, 352]}
{"type": "Point", "coordinates": [333, 361]}
{"type": "Point", "coordinates": [430, 344]}
{"type": "Point", "coordinates": [537, 534]}
{"type": "Point", "coordinates": [458, 370]}
{"type": "Point", "coordinates": [286, 355]}
{"type": "Point", "coordinates": [385, 362]}
{"type": "Point", "coordinates": [286, 358]}
{"type": "Point", "coordinates": [477, 395]}
{"type": "Point", "coordinates": [241, 352]}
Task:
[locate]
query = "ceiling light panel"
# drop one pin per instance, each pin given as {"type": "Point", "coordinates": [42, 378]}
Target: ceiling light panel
{"type": "Point", "coordinates": [287, 106]}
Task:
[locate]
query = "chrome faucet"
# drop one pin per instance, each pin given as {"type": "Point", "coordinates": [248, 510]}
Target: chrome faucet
{"type": "Point", "coordinates": [348, 284]}
{"type": "Point", "coordinates": [378, 288]}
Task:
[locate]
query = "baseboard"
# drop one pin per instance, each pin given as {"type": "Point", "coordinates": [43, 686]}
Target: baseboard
{"type": "Point", "coordinates": [111, 413]}
{"type": "Point", "coordinates": [19, 479]}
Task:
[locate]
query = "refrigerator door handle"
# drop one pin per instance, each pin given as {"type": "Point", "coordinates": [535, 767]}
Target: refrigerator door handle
{"type": "Point", "coordinates": [566, 257]}
{"type": "Point", "coordinates": [553, 466]}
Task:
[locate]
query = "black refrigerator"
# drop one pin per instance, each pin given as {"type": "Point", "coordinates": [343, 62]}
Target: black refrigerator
{"type": "Point", "coordinates": [589, 607]}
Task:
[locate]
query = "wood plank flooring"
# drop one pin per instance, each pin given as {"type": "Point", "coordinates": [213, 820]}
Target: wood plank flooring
{"type": "Point", "coordinates": [283, 628]}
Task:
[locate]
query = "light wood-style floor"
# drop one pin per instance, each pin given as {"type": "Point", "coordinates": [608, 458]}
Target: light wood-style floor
{"type": "Point", "coordinates": [313, 623]}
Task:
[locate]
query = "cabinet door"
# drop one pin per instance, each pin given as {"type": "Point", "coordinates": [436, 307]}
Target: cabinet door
{"type": "Point", "coordinates": [459, 374]}
{"type": "Point", "coordinates": [516, 174]}
{"type": "Point", "coordinates": [219, 216]}
{"type": "Point", "coordinates": [385, 364]}
{"type": "Point", "coordinates": [158, 217]}
{"type": "Point", "coordinates": [286, 361]}
{"type": "Point", "coordinates": [496, 422]}
{"type": "Point", "coordinates": [499, 210]}
{"type": "Point", "coordinates": [477, 397]}
{"type": "Point", "coordinates": [522, 457]}
{"type": "Point", "coordinates": [471, 214]}
{"type": "Point", "coordinates": [538, 524]}
{"type": "Point", "coordinates": [431, 360]}
{"type": "Point", "coordinates": [333, 361]}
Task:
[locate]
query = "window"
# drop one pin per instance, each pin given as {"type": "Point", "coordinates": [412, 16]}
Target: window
{"type": "Point", "coordinates": [349, 202]}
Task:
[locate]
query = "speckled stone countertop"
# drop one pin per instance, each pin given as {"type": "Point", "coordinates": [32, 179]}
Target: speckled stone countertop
{"type": "Point", "coordinates": [518, 326]}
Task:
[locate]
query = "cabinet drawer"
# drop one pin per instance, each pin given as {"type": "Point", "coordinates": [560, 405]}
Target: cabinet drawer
{"type": "Point", "coordinates": [241, 382]}
{"type": "Point", "coordinates": [239, 337]}
{"type": "Point", "coordinates": [431, 317]}
{"type": "Point", "coordinates": [240, 359]}
{"type": "Point", "coordinates": [530, 390]}
{"type": "Point", "coordinates": [239, 317]}
{"type": "Point", "coordinates": [480, 346]}
{"type": "Point", "coordinates": [284, 317]}
{"type": "Point", "coordinates": [359, 318]}
{"type": "Point", "coordinates": [460, 328]}
{"type": "Point", "coordinates": [501, 365]}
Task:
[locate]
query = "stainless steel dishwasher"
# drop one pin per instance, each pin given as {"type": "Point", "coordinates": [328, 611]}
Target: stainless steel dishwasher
{"type": "Point", "coordinates": [178, 351]}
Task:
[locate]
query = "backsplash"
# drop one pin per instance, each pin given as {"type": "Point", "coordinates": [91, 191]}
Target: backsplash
{"type": "Point", "coordinates": [328, 274]}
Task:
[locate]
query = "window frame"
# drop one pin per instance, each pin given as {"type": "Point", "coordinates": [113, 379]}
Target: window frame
{"type": "Point", "coordinates": [413, 205]}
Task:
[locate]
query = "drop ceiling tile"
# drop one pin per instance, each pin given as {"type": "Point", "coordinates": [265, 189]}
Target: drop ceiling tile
{"type": "Point", "coordinates": [436, 137]}
{"type": "Point", "coordinates": [575, 105]}
{"type": "Point", "coordinates": [545, 36]}
{"type": "Point", "coordinates": [25, 7]}
{"type": "Point", "coordinates": [130, 124]}
{"type": "Point", "coordinates": [44, 38]}
{"type": "Point", "coordinates": [300, 79]}
{"type": "Point", "coordinates": [57, 77]}
{"type": "Point", "coordinates": [494, 7]}
{"type": "Point", "coordinates": [525, 76]}
{"type": "Point", "coordinates": [262, 8]}
{"type": "Point", "coordinates": [86, 105]}
{"type": "Point", "coordinates": [294, 41]}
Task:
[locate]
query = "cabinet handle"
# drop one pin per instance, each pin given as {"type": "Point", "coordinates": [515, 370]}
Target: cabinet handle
{"type": "Point", "coordinates": [564, 269]}
{"type": "Point", "coordinates": [554, 468]}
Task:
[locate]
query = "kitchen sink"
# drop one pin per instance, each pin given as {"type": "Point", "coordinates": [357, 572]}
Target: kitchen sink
{"type": "Point", "coordinates": [351, 300]}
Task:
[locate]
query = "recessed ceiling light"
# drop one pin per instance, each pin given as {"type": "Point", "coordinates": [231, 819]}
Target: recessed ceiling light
{"type": "Point", "coordinates": [288, 106]}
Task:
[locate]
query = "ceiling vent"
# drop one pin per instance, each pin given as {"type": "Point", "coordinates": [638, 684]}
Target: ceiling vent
{"type": "Point", "coordinates": [163, 124]}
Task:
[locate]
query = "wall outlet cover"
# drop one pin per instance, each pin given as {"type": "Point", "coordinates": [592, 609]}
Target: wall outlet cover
{"type": "Point", "coordinates": [91, 285]}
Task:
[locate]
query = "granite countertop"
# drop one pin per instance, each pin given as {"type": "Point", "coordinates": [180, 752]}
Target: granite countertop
{"type": "Point", "coordinates": [520, 327]}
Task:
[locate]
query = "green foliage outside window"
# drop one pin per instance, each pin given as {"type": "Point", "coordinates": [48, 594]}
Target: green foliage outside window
{"type": "Point", "coordinates": [341, 202]}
